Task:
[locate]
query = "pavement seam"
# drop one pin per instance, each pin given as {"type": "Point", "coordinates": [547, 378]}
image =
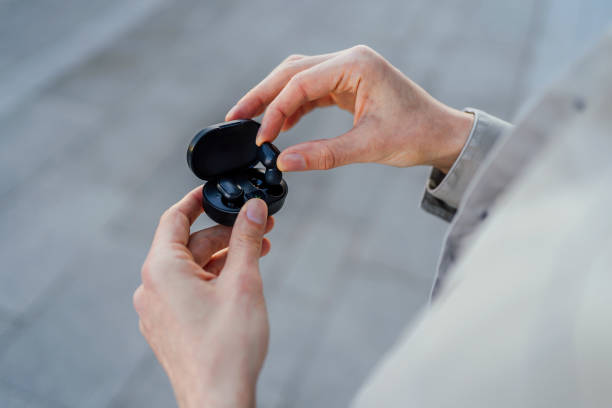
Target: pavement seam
{"type": "Point", "coordinates": [54, 61]}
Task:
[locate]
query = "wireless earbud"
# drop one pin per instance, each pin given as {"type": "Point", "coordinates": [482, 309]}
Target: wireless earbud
{"type": "Point", "coordinates": [230, 191]}
{"type": "Point", "coordinates": [267, 155]}
{"type": "Point", "coordinates": [225, 155]}
{"type": "Point", "coordinates": [273, 177]}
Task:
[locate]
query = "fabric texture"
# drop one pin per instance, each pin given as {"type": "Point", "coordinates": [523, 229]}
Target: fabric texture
{"type": "Point", "coordinates": [444, 192]}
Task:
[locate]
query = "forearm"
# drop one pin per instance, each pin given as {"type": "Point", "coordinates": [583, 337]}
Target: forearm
{"type": "Point", "coordinates": [451, 130]}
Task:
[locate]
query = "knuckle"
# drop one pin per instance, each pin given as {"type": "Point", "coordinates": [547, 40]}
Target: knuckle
{"type": "Point", "coordinates": [298, 82]}
{"type": "Point", "coordinates": [290, 64]}
{"type": "Point", "coordinates": [327, 158]}
{"type": "Point", "coordinates": [278, 109]}
{"type": "Point", "coordinates": [147, 274]}
{"type": "Point", "coordinates": [248, 239]}
{"type": "Point", "coordinates": [172, 216]}
{"type": "Point", "coordinates": [166, 215]}
{"type": "Point", "coordinates": [142, 327]}
{"type": "Point", "coordinates": [293, 58]}
{"type": "Point", "coordinates": [363, 57]}
{"type": "Point", "coordinates": [145, 271]}
{"type": "Point", "coordinates": [138, 300]}
{"type": "Point", "coordinates": [362, 50]}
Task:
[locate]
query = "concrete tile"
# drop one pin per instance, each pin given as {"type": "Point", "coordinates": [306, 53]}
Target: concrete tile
{"type": "Point", "coordinates": [59, 36]}
{"type": "Point", "coordinates": [286, 247]}
{"type": "Point", "coordinates": [39, 135]}
{"type": "Point", "coordinates": [134, 66]}
{"type": "Point", "coordinates": [48, 32]}
{"type": "Point", "coordinates": [44, 227]}
{"type": "Point", "coordinates": [562, 37]}
{"type": "Point", "coordinates": [493, 71]}
{"type": "Point", "coordinates": [295, 324]}
{"type": "Point", "coordinates": [476, 77]}
{"type": "Point", "coordinates": [355, 192]}
{"type": "Point", "coordinates": [79, 347]}
{"type": "Point", "coordinates": [130, 150]}
{"type": "Point", "coordinates": [12, 398]}
{"type": "Point", "coordinates": [373, 308]}
{"type": "Point", "coordinates": [323, 248]}
{"type": "Point", "coordinates": [103, 80]}
{"type": "Point", "coordinates": [167, 181]}
{"type": "Point", "coordinates": [401, 235]}
{"type": "Point", "coordinates": [5, 322]}
{"type": "Point", "coordinates": [148, 386]}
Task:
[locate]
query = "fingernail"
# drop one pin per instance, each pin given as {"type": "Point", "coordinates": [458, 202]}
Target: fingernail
{"type": "Point", "coordinates": [292, 162]}
{"type": "Point", "coordinates": [256, 211]}
{"type": "Point", "coordinates": [258, 139]}
{"type": "Point", "coordinates": [230, 112]}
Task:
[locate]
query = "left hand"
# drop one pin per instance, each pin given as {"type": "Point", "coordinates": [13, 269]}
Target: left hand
{"type": "Point", "coordinates": [201, 304]}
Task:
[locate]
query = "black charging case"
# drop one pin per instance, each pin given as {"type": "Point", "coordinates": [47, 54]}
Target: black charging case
{"type": "Point", "coordinates": [227, 153]}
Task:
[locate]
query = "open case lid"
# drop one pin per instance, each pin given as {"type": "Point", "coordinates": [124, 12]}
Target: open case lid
{"type": "Point", "coordinates": [223, 148]}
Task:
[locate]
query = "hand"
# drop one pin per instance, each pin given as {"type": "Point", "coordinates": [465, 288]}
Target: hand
{"type": "Point", "coordinates": [395, 121]}
{"type": "Point", "coordinates": [201, 304]}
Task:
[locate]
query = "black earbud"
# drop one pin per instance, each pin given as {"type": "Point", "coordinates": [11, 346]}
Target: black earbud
{"type": "Point", "coordinates": [230, 191]}
{"type": "Point", "coordinates": [235, 190]}
{"type": "Point", "coordinates": [273, 177]}
{"type": "Point", "coordinates": [267, 155]}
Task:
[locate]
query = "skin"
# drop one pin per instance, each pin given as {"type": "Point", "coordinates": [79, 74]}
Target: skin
{"type": "Point", "coordinates": [395, 121]}
{"type": "Point", "coordinates": [201, 303]}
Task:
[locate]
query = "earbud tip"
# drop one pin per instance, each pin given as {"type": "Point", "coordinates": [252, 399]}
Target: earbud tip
{"type": "Point", "coordinates": [273, 177]}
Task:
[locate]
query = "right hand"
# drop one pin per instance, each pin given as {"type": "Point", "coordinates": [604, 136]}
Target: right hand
{"type": "Point", "coordinates": [395, 121]}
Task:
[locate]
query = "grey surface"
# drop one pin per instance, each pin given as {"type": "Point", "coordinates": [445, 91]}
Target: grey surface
{"type": "Point", "coordinates": [89, 162]}
{"type": "Point", "coordinates": [42, 39]}
{"type": "Point", "coordinates": [5, 322]}
{"type": "Point", "coordinates": [12, 398]}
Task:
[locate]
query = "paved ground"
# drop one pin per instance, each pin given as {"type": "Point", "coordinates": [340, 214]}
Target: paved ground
{"type": "Point", "coordinates": [92, 150]}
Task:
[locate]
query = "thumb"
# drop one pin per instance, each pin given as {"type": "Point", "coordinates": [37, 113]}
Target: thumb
{"type": "Point", "coordinates": [325, 154]}
{"type": "Point", "coordinates": [245, 241]}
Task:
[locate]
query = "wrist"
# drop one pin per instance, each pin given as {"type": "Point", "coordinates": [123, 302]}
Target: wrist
{"type": "Point", "coordinates": [214, 400]}
{"type": "Point", "coordinates": [452, 131]}
{"type": "Point", "coordinates": [214, 395]}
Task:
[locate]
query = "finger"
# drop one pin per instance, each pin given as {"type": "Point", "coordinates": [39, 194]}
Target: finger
{"type": "Point", "coordinates": [245, 243]}
{"type": "Point", "coordinates": [266, 246]}
{"type": "Point", "coordinates": [325, 154]}
{"type": "Point", "coordinates": [175, 222]}
{"type": "Point", "coordinates": [217, 262]}
{"type": "Point", "coordinates": [206, 275]}
{"type": "Point", "coordinates": [204, 243]}
{"type": "Point", "coordinates": [305, 109]}
{"type": "Point", "coordinates": [256, 100]}
{"type": "Point", "coordinates": [308, 85]}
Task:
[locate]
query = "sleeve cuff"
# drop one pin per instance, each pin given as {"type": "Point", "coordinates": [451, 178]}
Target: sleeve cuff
{"type": "Point", "coordinates": [443, 192]}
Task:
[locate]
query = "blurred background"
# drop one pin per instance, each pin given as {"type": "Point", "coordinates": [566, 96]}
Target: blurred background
{"type": "Point", "coordinates": [98, 101]}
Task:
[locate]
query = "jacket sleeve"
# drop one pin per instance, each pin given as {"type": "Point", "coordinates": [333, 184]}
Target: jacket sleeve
{"type": "Point", "coordinates": [443, 192]}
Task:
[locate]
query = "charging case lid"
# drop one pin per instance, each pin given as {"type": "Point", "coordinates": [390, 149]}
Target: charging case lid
{"type": "Point", "coordinates": [223, 148]}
